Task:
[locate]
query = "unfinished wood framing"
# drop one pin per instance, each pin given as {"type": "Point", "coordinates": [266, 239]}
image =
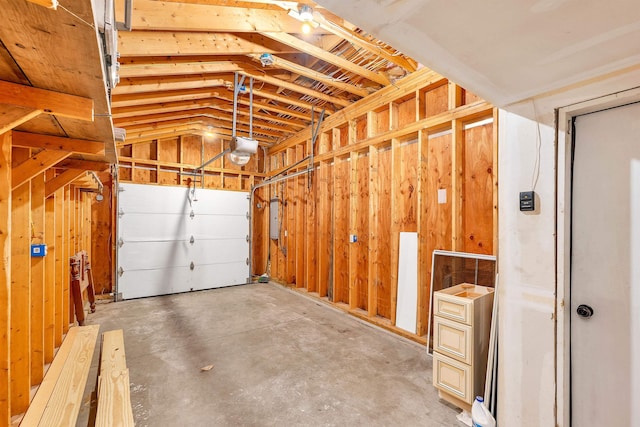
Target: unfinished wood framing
{"type": "Point", "coordinates": [415, 157]}
{"type": "Point", "coordinates": [172, 161]}
{"type": "Point", "coordinates": [5, 279]}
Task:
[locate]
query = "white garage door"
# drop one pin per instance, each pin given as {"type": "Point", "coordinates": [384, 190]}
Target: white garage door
{"type": "Point", "coordinates": [170, 241]}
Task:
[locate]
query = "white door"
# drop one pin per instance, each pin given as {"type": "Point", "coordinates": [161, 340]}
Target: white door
{"type": "Point", "coordinates": [605, 262]}
{"type": "Point", "coordinates": [171, 241]}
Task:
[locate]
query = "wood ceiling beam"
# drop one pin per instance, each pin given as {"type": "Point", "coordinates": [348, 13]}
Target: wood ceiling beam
{"type": "Point", "coordinates": [162, 15]}
{"type": "Point", "coordinates": [286, 100]}
{"type": "Point", "coordinates": [176, 68]}
{"type": "Point", "coordinates": [315, 75]}
{"type": "Point", "coordinates": [87, 165]}
{"type": "Point", "coordinates": [47, 101]}
{"type": "Point", "coordinates": [167, 43]}
{"type": "Point", "coordinates": [66, 177]}
{"type": "Point", "coordinates": [296, 88]}
{"type": "Point", "coordinates": [259, 126]}
{"type": "Point", "coordinates": [128, 100]}
{"type": "Point", "coordinates": [11, 117]}
{"type": "Point", "coordinates": [172, 69]}
{"type": "Point", "coordinates": [277, 119]}
{"type": "Point", "coordinates": [322, 54]}
{"type": "Point", "coordinates": [201, 112]}
{"type": "Point", "coordinates": [49, 142]}
{"type": "Point", "coordinates": [178, 106]}
{"type": "Point", "coordinates": [361, 42]}
{"type": "Point", "coordinates": [205, 121]}
{"type": "Point", "coordinates": [203, 131]}
{"type": "Point", "coordinates": [258, 105]}
{"type": "Point", "coordinates": [188, 120]}
{"type": "Point", "coordinates": [35, 165]}
{"type": "Point", "coordinates": [158, 133]}
{"type": "Point", "coordinates": [168, 83]}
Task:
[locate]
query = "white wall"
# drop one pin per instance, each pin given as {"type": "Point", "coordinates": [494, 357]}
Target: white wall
{"type": "Point", "coordinates": [526, 265]}
{"type": "Point", "coordinates": [532, 344]}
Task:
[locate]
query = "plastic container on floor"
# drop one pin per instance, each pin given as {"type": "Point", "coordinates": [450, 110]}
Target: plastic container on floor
{"type": "Point", "coordinates": [480, 415]}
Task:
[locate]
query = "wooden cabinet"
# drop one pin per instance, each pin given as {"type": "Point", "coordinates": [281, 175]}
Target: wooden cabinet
{"type": "Point", "coordinates": [461, 328]}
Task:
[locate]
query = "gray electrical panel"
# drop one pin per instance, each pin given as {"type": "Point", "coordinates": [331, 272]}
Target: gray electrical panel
{"type": "Point", "coordinates": [273, 219]}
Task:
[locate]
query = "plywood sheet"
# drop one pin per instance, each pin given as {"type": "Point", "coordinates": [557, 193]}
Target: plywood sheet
{"type": "Point", "coordinates": [406, 313]}
{"type": "Point", "coordinates": [477, 222]}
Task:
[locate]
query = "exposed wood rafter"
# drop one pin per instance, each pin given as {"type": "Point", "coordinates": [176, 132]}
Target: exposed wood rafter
{"type": "Point", "coordinates": [37, 164]}
{"type": "Point", "coordinates": [49, 102]}
{"type": "Point", "coordinates": [50, 142]}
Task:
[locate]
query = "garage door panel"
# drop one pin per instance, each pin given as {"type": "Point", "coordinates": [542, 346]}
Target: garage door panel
{"type": "Point", "coordinates": [154, 255]}
{"type": "Point", "coordinates": [154, 227]}
{"type": "Point", "coordinates": [145, 283]}
{"type": "Point", "coordinates": [220, 251]}
{"type": "Point", "coordinates": [139, 198]}
{"type": "Point", "coordinates": [218, 275]}
{"type": "Point", "coordinates": [220, 227]}
{"type": "Point", "coordinates": [225, 203]}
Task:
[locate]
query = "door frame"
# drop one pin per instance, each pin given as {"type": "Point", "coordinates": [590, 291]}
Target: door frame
{"type": "Point", "coordinates": [564, 144]}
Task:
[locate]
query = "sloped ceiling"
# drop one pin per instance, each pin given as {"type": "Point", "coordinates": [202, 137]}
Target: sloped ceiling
{"type": "Point", "coordinates": [504, 50]}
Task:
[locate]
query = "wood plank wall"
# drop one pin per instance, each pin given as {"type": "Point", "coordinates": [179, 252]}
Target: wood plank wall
{"type": "Point", "coordinates": [379, 167]}
{"type": "Point", "coordinates": [34, 292]}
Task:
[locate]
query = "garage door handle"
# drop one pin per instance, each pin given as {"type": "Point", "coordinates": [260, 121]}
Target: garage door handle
{"type": "Point", "coordinates": [584, 311]}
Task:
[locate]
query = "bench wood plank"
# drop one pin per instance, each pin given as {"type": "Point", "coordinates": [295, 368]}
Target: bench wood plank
{"type": "Point", "coordinates": [59, 397]}
{"type": "Point", "coordinates": [114, 400]}
{"type": "Point", "coordinates": [112, 356]}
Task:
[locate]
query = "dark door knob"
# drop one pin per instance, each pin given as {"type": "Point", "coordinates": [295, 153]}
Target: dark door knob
{"type": "Point", "coordinates": [584, 311]}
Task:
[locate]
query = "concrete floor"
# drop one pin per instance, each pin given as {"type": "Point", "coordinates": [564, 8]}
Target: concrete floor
{"type": "Point", "coordinates": [279, 359]}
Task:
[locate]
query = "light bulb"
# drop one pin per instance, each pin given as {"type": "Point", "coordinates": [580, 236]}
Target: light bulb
{"type": "Point", "coordinates": [306, 28]}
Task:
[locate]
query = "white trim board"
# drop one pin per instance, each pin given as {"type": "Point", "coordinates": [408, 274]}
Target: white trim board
{"type": "Point", "coordinates": [407, 301]}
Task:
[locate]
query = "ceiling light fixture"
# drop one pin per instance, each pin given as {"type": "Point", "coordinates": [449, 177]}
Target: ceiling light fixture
{"type": "Point", "coordinates": [305, 15]}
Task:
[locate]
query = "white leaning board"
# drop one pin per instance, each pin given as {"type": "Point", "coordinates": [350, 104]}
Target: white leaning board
{"type": "Point", "coordinates": [155, 226]}
{"type": "Point", "coordinates": [407, 302]}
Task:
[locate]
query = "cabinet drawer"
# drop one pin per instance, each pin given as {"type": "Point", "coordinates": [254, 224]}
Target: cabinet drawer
{"type": "Point", "coordinates": [451, 307]}
{"type": "Point", "coordinates": [452, 377]}
{"type": "Point", "coordinates": [453, 339]}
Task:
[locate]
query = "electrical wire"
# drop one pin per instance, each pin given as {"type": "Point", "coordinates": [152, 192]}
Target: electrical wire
{"type": "Point", "coordinates": [536, 165]}
{"type": "Point", "coordinates": [75, 16]}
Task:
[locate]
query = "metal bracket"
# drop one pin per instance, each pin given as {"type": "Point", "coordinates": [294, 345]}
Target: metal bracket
{"type": "Point", "coordinates": [192, 266]}
{"type": "Point", "coordinates": [248, 238]}
{"type": "Point", "coordinates": [192, 214]}
{"type": "Point", "coordinates": [120, 213]}
{"type": "Point", "coordinates": [192, 240]}
{"type": "Point", "coordinates": [247, 261]}
{"type": "Point", "coordinates": [120, 242]}
{"type": "Point", "coordinates": [120, 272]}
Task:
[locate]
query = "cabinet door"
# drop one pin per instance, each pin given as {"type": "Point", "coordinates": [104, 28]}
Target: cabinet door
{"type": "Point", "coordinates": [452, 377]}
{"type": "Point", "coordinates": [453, 339]}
